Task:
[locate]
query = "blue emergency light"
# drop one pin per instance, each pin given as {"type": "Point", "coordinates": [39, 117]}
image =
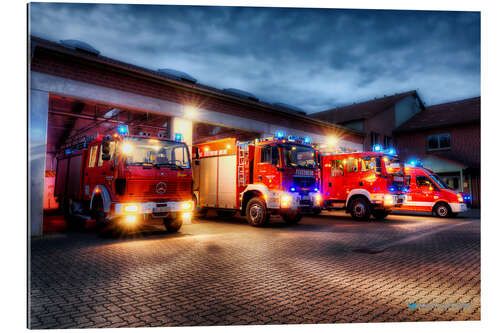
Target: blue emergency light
{"type": "Point", "coordinates": [292, 189]}
{"type": "Point", "coordinates": [178, 137]}
{"type": "Point", "coordinates": [123, 129]}
{"type": "Point", "coordinates": [391, 151]}
{"type": "Point", "coordinates": [279, 134]}
{"type": "Point", "coordinates": [307, 139]}
{"type": "Point", "coordinates": [377, 148]}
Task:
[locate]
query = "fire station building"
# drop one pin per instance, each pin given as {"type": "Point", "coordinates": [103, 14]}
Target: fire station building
{"type": "Point", "coordinates": [74, 92]}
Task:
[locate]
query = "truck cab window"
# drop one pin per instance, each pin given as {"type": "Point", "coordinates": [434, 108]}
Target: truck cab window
{"type": "Point", "coordinates": [423, 181]}
{"type": "Point", "coordinates": [265, 155]}
{"type": "Point", "coordinates": [337, 168]}
{"type": "Point", "coordinates": [112, 146]}
{"type": "Point", "coordinates": [92, 156]}
{"type": "Point", "coordinates": [275, 155]}
{"type": "Point", "coordinates": [352, 165]}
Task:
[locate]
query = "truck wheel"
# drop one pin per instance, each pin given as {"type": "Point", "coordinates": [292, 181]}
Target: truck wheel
{"type": "Point", "coordinates": [291, 218]}
{"type": "Point", "coordinates": [226, 213]}
{"type": "Point", "coordinates": [256, 212]}
{"type": "Point", "coordinates": [380, 214]}
{"type": "Point", "coordinates": [360, 209]}
{"type": "Point", "coordinates": [442, 210]}
{"type": "Point", "coordinates": [173, 224]}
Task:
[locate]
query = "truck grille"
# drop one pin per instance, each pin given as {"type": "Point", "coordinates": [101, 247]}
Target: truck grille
{"type": "Point", "coordinates": [171, 189]}
{"type": "Point", "coordinates": [304, 182]}
{"type": "Point", "coordinates": [178, 190]}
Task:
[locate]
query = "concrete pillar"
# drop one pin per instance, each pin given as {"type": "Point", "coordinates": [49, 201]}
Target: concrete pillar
{"type": "Point", "coordinates": [184, 127]}
{"type": "Point", "coordinates": [37, 146]}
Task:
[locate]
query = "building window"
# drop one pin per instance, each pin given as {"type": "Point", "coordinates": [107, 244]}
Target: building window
{"type": "Point", "coordinates": [438, 141]}
{"type": "Point", "coordinates": [374, 137]}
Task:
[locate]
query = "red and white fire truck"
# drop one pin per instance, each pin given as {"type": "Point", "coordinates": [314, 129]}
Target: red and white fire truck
{"type": "Point", "coordinates": [362, 183]}
{"type": "Point", "coordinates": [260, 178]}
{"type": "Point", "coordinates": [125, 180]}
{"type": "Point", "coordinates": [426, 192]}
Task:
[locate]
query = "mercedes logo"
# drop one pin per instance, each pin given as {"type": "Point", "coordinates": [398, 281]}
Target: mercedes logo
{"type": "Point", "coordinates": [161, 188]}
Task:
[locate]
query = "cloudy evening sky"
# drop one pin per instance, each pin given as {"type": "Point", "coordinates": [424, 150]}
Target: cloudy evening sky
{"type": "Point", "coordinates": [312, 58]}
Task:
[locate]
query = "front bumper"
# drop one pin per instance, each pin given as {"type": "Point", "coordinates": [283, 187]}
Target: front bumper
{"type": "Point", "coordinates": [293, 200]}
{"type": "Point", "coordinates": [388, 200]}
{"type": "Point", "coordinates": [158, 209]}
{"type": "Point", "coordinates": [458, 207]}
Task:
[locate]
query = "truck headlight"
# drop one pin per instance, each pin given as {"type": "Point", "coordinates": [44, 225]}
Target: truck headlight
{"type": "Point", "coordinates": [188, 205]}
{"type": "Point", "coordinates": [130, 208]}
{"type": "Point", "coordinates": [286, 200]}
{"type": "Point", "coordinates": [388, 200]}
{"type": "Point", "coordinates": [317, 199]}
{"type": "Point", "coordinates": [460, 198]}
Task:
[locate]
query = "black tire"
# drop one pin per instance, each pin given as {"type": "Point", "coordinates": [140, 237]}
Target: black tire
{"type": "Point", "coordinates": [291, 218]}
{"type": "Point", "coordinates": [442, 210]}
{"type": "Point", "coordinates": [256, 212]}
{"type": "Point", "coordinates": [103, 228]}
{"type": "Point", "coordinates": [359, 209]}
{"type": "Point", "coordinates": [173, 224]}
{"type": "Point", "coordinates": [226, 213]}
{"type": "Point", "coordinates": [380, 214]}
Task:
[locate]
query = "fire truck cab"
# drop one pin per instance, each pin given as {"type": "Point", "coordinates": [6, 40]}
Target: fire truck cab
{"type": "Point", "coordinates": [260, 178]}
{"type": "Point", "coordinates": [362, 183]}
{"type": "Point", "coordinates": [125, 180]}
{"type": "Point", "coordinates": [429, 193]}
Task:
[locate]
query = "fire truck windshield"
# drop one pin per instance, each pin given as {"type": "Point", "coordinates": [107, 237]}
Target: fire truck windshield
{"type": "Point", "coordinates": [441, 183]}
{"type": "Point", "coordinates": [392, 165]}
{"type": "Point", "coordinates": [146, 151]}
{"type": "Point", "coordinates": [299, 156]}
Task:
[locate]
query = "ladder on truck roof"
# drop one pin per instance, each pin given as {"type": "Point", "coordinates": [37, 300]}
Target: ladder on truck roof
{"type": "Point", "coordinates": [242, 161]}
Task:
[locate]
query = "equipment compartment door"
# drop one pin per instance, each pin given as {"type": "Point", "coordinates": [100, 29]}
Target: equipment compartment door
{"type": "Point", "coordinates": [208, 181]}
{"type": "Point", "coordinates": [227, 182]}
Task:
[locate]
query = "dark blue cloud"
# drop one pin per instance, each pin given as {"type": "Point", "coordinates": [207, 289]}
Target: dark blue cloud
{"type": "Point", "coordinates": [312, 58]}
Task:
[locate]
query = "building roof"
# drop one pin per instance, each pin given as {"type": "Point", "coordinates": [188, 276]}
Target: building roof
{"type": "Point", "coordinates": [440, 115]}
{"type": "Point", "coordinates": [359, 111]}
{"type": "Point", "coordinates": [196, 87]}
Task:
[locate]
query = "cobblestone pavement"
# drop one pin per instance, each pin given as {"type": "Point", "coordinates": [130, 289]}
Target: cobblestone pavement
{"type": "Point", "coordinates": [327, 269]}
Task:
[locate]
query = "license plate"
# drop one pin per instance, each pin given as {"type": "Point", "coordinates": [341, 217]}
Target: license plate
{"type": "Point", "coordinates": [160, 209]}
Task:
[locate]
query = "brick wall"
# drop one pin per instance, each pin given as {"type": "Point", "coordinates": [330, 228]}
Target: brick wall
{"type": "Point", "coordinates": [382, 123]}
{"type": "Point", "coordinates": [465, 143]}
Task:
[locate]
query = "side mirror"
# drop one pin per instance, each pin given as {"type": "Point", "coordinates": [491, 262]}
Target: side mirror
{"type": "Point", "coordinates": [196, 162]}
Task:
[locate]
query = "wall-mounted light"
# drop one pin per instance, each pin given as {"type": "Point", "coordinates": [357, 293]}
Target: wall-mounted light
{"type": "Point", "coordinates": [331, 141]}
{"type": "Point", "coordinates": [190, 112]}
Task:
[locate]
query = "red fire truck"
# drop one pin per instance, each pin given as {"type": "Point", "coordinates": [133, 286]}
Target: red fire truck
{"type": "Point", "coordinates": [273, 176]}
{"type": "Point", "coordinates": [363, 183]}
{"type": "Point", "coordinates": [124, 180]}
{"type": "Point", "coordinates": [429, 193]}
